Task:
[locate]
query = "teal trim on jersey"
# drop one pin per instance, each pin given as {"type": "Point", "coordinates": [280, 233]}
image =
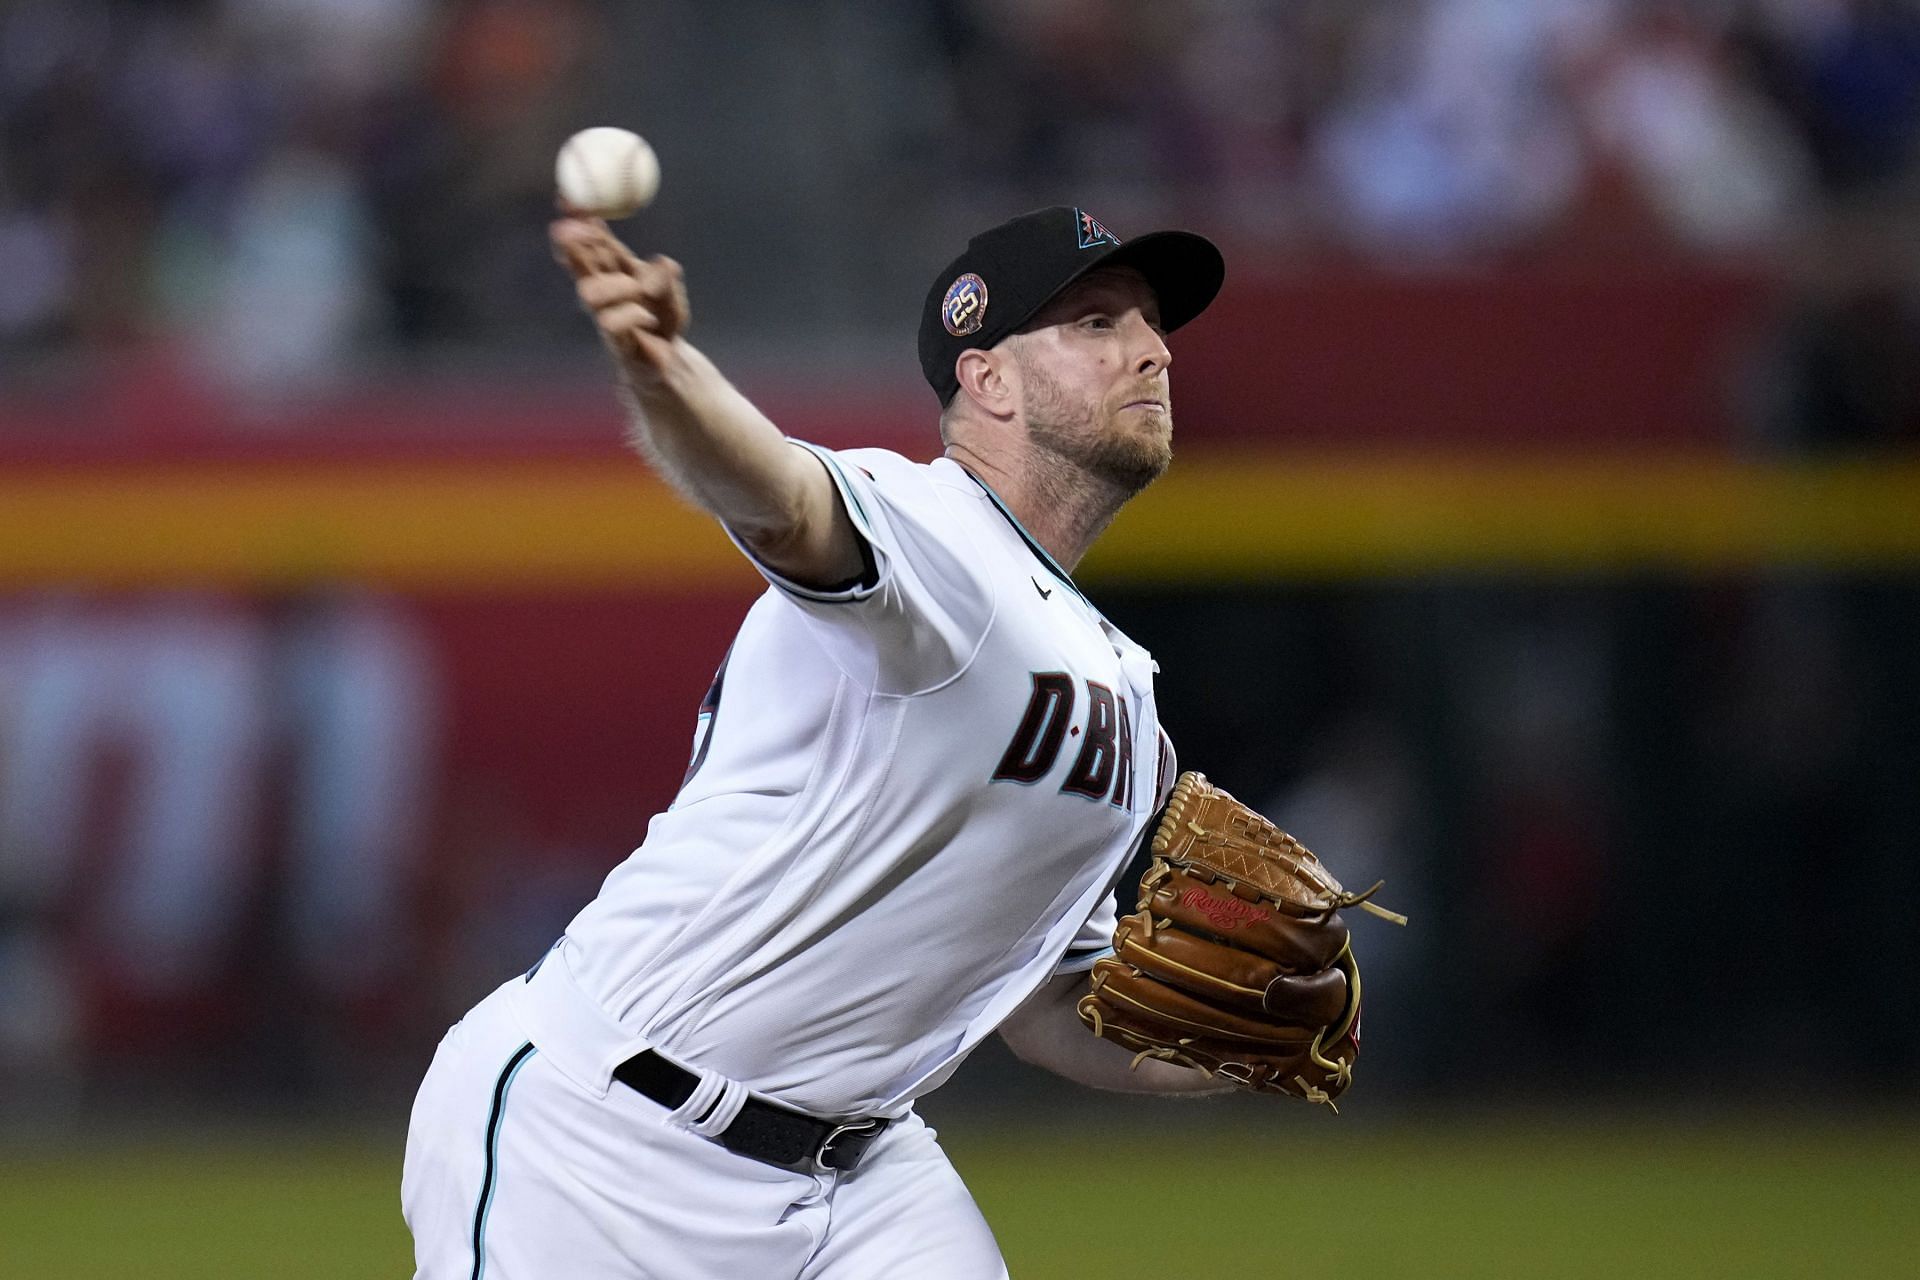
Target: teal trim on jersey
{"type": "Point", "coordinates": [846, 486]}
{"type": "Point", "coordinates": [522, 1056]}
{"type": "Point", "coordinates": [1033, 543]}
{"type": "Point", "coordinates": [862, 527]}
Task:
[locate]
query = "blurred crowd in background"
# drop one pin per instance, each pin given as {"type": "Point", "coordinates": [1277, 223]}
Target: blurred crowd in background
{"type": "Point", "coordinates": [1655, 829]}
{"type": "Point", "coordinates": [347, 183]}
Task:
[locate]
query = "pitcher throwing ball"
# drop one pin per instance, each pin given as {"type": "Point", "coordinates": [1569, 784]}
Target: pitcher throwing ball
{"type": "Point", "coordinates": [919, 772]}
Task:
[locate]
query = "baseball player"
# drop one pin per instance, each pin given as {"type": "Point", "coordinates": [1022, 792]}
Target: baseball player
{"type": "Point", "coordinates": [918, 773]}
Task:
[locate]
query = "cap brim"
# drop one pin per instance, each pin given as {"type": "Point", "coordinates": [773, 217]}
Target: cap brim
{"type": "Point", "coordinates": [1184, 270]}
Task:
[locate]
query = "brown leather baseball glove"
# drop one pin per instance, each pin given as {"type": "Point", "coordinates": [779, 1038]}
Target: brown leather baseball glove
{"type": "Point", "coordinates": [1237, 961]}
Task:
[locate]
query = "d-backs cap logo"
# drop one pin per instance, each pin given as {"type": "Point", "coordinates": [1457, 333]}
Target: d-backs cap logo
{"type": "Point", "coordinates": [964, 309]}
{"type": "Point", "coordinates": [1091, 232]}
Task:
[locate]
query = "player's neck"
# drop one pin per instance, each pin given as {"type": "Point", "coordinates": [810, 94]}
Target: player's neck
{"type": "Point", "coordinates": [1062, 507]}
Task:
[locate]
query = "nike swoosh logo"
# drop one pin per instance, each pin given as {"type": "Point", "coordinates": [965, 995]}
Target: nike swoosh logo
{"type": "Point", "coordinates": [1045, 592]}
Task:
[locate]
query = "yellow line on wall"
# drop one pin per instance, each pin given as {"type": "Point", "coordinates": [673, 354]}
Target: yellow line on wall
{"type": "Point", "coordinates": [608, 524]}
{"type": "Point", "coordinates": [1345, 517]}
{"type": "Point", "coordinates": [568, 525]}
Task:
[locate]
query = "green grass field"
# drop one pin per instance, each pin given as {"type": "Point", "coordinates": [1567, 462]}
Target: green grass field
{"type": "Point", "coordinates": [1538, 1197]}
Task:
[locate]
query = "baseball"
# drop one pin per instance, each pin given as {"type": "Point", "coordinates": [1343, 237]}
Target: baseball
{"type": "Point", "coordinates": [607, 172]}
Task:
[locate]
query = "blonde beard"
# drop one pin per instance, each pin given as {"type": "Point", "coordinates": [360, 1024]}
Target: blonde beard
{"type": "Point", "coordinates": [1069, 431]}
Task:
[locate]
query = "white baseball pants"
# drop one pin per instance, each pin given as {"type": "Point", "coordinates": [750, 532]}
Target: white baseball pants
{"type": "Point", "coordinates": [515, 1172]}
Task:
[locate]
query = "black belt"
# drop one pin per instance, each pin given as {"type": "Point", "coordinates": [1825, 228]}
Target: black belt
{"type": "Point", "coordinates": [765, 1131]}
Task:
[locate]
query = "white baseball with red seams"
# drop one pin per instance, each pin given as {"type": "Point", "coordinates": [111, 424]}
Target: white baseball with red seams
{"type": "Point", "coordinates": [607, 172]}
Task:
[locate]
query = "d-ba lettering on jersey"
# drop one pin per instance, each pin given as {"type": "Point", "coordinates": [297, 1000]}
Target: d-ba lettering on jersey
{"type": "Point", "coordinates": [907, 807]}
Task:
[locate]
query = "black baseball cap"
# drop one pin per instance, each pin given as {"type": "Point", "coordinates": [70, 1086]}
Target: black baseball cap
{"type": "Point", "coordinates": [1010, 271]}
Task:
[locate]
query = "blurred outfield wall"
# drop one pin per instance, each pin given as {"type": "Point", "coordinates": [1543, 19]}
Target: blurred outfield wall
{"type": "Point", "coordinates": [308, 736]}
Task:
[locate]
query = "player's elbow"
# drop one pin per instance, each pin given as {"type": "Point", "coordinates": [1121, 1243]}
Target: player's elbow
{"type": "Point", "coordinates": [1044, 1031]}
{"type": "Point", "coordinates": [1024, 1044]}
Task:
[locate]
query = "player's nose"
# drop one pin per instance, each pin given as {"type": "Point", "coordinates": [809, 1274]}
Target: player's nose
{"type": "Point", "coordinates": [1150, 353]}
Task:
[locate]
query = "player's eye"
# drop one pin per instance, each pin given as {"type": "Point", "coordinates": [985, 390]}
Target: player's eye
{"type": "Point", "coordinates": [1099, 322]}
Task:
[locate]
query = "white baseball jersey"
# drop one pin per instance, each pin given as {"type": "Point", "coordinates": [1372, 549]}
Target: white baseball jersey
{"type": "Point", "coordinates": [906, 808]}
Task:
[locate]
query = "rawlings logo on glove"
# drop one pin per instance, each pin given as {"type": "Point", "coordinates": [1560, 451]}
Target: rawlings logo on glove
{"type": "Point", "coordinates": [1222, 915]}
{"type": "Point", "coordinates": [1236, 962]}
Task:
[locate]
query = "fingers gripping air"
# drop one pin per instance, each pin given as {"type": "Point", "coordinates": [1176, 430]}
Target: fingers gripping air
{"type": "Point", "coordinates": [639, 304]}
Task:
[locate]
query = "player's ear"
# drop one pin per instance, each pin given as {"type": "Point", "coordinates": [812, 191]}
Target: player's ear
{"type": "Point", "coordinates": [983, 378]}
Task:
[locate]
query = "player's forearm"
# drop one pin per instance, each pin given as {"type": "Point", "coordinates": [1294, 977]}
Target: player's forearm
{"type": "Point", "coordinates": [1047, 1032]}
{"type": "Point", "coordinates": [1099, 1064]}
{"type": "Point", "coordinates": [700, 433]}
{"type": "Point", "coordinates": [709, 441]}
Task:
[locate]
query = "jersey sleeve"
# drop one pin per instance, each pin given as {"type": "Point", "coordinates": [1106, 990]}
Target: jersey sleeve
{"type": "Point", "coordinates": [1095, 938]}
{"type": "Point", "coordinates": [917, 614]}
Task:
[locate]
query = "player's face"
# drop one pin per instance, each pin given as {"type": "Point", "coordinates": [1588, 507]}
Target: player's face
{"type": "Point", "coordinates": [1093, 378]}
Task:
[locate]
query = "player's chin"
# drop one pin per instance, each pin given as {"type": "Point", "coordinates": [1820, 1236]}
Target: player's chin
{"type": "Point", "coordinates": [1151, 425]}
{"type": "Point", "coordinates": [1135, 460]}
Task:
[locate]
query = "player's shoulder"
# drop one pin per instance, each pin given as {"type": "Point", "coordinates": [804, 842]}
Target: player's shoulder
{"type": "Point", "coordinates": [902, 478]}
{"type": "Point", "coordinates": [873, 462]}
{"type": "Point", "coordinates": [878, 463]}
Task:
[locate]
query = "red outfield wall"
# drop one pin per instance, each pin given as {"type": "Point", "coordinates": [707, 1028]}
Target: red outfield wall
{"type": "Point", "coordinates": [465, 615]}
{"type": "Point", "coordinates": [1560, 359]}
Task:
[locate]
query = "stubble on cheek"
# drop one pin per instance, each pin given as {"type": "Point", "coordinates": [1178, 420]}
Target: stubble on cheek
{"type": "Point", "coordinates": [1099, 440]}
